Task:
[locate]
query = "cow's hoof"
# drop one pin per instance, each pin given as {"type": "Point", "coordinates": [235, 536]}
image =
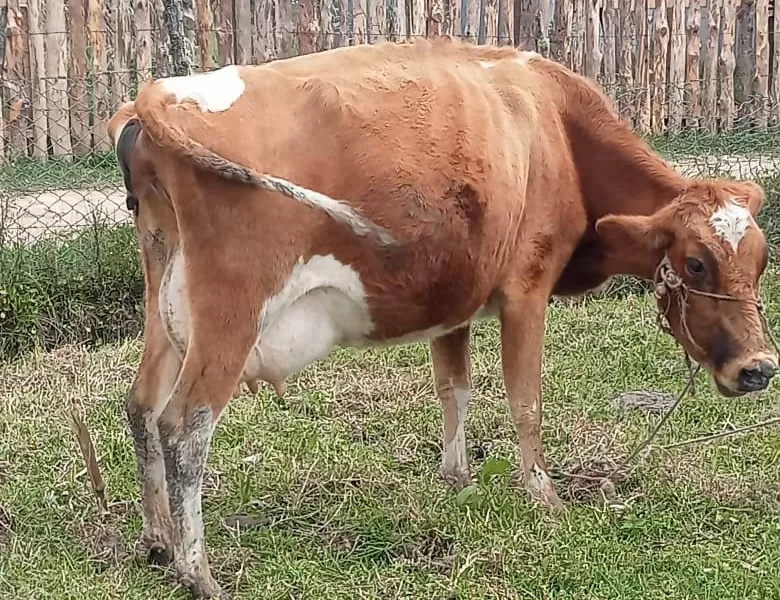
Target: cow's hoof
{"type": "Point", "coordinates": [457, 480]}
{"type": "Point", "coordinates": [206, 589]}
{"type": "Point", "coordinates": [542, 489]}
{"type": "Point", "coordinates": [197, 578]}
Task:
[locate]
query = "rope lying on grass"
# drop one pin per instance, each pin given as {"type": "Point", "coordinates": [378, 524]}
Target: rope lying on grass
{"type": "Point", "coordinates": [668, 283]}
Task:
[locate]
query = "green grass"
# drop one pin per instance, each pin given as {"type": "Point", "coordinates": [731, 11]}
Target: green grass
{"type": "Point", "coordinates": [698, 142]}
{"type": "Point", "coordinates": [28, 174]}
{"type": "Point", "coordinates": [341, 479]}
{"type": "Point", "coordinates": [87, 287]}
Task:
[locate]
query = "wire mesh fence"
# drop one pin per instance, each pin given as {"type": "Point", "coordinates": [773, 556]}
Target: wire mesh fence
{"type": "Point", "coordinates": [69, 270]}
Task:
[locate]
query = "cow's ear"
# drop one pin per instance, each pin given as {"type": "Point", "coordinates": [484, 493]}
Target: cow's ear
{"type": "Point", "coordinates": [636, 235]}
{"type": "Point", "coordinates": [752, 195]}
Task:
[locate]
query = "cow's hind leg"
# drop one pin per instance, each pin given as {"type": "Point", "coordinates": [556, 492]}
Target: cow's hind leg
{"type": "Point", "coordinates": [451, 369]}
{"type": "Point", "coordinates": [146, 400]}
{"type": "Point", "coordinates": [213, 363]}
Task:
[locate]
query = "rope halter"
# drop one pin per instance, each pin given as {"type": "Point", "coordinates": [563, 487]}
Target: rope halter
{"type": "Point", "coordinates": [667, 282]}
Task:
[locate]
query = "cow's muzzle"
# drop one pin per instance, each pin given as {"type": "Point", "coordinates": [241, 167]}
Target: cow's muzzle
{"type": "Point", "coordinates": [756, 377]}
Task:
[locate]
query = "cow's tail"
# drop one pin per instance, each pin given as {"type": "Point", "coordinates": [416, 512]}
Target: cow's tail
{"type": "Point", "coordinates": [151, 107]}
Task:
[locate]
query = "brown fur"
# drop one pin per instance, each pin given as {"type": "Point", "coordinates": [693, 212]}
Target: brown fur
{"type": "Point", "coordinates": [501, 185]}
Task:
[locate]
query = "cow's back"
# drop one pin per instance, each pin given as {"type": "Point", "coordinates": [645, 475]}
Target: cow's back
{"type": "Point", "coordinates": [424, 145]}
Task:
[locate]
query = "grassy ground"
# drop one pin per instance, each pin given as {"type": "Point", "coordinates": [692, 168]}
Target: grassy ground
{"type": "Point", "coordinates": [338, 492]}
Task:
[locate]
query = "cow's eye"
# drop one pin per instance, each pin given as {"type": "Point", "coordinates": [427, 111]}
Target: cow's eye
{"type": "Point", "coordinates": [695, 267]}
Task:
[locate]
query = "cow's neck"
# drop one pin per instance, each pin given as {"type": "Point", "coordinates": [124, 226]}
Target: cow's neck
{"type": "Point", "coordinates": [619, 174]}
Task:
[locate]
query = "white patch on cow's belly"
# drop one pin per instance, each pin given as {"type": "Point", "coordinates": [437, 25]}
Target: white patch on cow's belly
{"type": "Point", "coordinates": [214, 91]}
{"type": "Point", "coordinates": [731, 222]}
{"type": "Point", "coordinates": [322, 304]}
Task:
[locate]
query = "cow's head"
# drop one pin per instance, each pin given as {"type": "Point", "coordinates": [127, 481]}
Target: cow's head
{"type": "Point", "coordinates": [706, 255]}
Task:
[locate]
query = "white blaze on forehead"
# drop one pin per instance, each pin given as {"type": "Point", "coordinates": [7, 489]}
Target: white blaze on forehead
{"type": "Point", "coordinates": [215, 91]}
{"type": "Point", "coordinates": [731, 222]}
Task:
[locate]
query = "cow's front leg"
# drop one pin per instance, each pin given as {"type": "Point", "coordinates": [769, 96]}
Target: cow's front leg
{"type": "Point", "coordinates": [146, 400]}
{"type": "Point", "coordinates": [453, 383]}
{"type": "Point", "coordinates": [522, 340]}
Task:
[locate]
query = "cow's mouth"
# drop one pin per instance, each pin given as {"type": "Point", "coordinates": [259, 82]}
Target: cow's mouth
{"type": "Point", "coordinates": [727, 391]}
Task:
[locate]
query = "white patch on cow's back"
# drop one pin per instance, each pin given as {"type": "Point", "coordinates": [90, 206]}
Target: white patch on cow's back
{"type": "Point", "coordinates": [487, 64]}
{"type": "Point", "coordinates": [731, 222]}
{"type": "Point", "coordinates": [214, 91]}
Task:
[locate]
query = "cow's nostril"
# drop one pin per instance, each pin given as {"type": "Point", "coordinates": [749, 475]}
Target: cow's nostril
{"type": "Point", "coordinates": [767, 369]}
{"type": "Point", "coordinates": [751, 380]}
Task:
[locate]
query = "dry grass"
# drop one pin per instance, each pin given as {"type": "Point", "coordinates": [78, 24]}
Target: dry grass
{"type": "Point", "coordinates": [334, 492]}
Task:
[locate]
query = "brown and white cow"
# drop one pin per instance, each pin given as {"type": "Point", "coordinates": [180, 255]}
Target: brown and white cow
{"type": "Point", "coordinates": [382, 194]}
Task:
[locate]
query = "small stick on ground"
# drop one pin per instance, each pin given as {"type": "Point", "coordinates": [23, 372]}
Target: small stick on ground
{"type": "Point", "coordinates": [723, 434]}
{"type": "Point", "coordinates": [90, 458]}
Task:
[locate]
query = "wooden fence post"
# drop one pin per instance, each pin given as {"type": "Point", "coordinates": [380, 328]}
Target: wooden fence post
{"type": "Point", "coordinates": [727, 64]}
{"type": "Point", "coordinates": [80, 132]}
{"type": "Point", "coordinates": [625, 59]}
{"type": "Point", "coordinates": [123, 41]}
{"type": "Point", "coordinates": [40, 125]}
{"type": "Point", "coordinates": [609, 14]}
{"type": "Point", "coordinates": [710, 77]}
{"type": "Point", "coordinates": [775, 100]}
{"type": "Point", "coordinates": [3, 23]}
{"type": "Point", "coordinates": [578, 39]}
{"type": "Point", "coordinates": [306, 26]}
{"type": "Point", "coordinates": [161, 40]}
{"type": "Point", "coordinates": [224, 26]}
{"type": "Point", "coordinates": [174, 23]}
{"type": "Point", "coordinates": [560, 44]}
{"type": "Point", "coordinates": [744, 56]}
{"type": "Point", "coordinates": [677, 66]}
{"type": "Point", "coordinates": [593, 54]}
{"type": "Point", "coordinates": [143, 26]}
{"type": "Point", "coordinates": [56, 46]}
{"type": "Point", "coordinates": [98, 30]}
{"type": "Point", "coordinates": [15, 82]}
{"type": "Point", "coordinates": [264, 46]}
{"type": "Point", "coordinates": [205, 24]}
{"type": "Point", "coordinates": [660, 51]}
{"type": "Point", "coordinates": [643, 105]}
{"type": "Point", "coordinates": [693, 63]}
{"type": "Point", "coordinates": [762, 64]}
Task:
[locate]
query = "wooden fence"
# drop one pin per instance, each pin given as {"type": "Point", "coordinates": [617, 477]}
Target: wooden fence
{"type": "Point", "coordinates": [669, 65]}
